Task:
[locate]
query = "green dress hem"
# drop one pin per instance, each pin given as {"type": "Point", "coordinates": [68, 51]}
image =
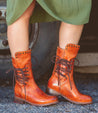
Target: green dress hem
{"type": "Point", "coordinates": [45, 12]}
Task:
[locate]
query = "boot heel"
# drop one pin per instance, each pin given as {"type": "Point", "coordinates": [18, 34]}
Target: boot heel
{"type": "Point", "coordinates": [51, 91]}
{"type": "Point", "coordinates": [17, 100]}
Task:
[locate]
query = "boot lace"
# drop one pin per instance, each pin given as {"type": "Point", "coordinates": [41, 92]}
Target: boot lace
{"type": "Point", "coordinates": [63, 68]}
{"type": "Point", "coordinates": [22, 74]}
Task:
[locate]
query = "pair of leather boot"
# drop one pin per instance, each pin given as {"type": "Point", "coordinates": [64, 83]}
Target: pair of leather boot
{"type": "Point", "coordinates": [61, 81]}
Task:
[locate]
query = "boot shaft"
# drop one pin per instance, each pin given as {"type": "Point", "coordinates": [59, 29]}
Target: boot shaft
{"type": "Point", "coordinates": [22, 67]}
{"type": "Point", "coordinates": [64, 65]}
{"type": "Point", "coordinates": [21, 59]}
{"type": "Point", "coordinates": [70, 51]}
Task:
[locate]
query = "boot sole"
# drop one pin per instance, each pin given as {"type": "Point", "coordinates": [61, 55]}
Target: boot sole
{"type": "Point", "coordinates": [22, 101]}
{"type": "Point", "coordinates": [53, 92]}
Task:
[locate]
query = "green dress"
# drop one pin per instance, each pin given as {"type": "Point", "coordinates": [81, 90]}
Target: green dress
{"type": "Point", "coordinates": [75, 12]}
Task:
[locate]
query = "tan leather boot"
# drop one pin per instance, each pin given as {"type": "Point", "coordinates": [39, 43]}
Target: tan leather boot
{"type": "Point", "coordinates": [61, 81]}
{"type": "Point", "coordinates": [26, 89]}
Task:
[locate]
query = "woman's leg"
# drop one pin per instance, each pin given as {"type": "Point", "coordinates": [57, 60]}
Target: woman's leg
{"type": "Point", "coordinates": [26, 90]}
{"type": "Point", "coordinates": [18, 33]}
{"type": "Point", "coordinates": [69, 33]}
{"type": "Point", "coordinates": [61, 81]}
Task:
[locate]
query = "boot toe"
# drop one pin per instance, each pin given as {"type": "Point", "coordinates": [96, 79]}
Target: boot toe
{"type": "Point", "coordinates": [51, 100]}
{"type": "Point", "coordinates": [88, 99]}
{"type": "Point", "coordinates": [85, 99]}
